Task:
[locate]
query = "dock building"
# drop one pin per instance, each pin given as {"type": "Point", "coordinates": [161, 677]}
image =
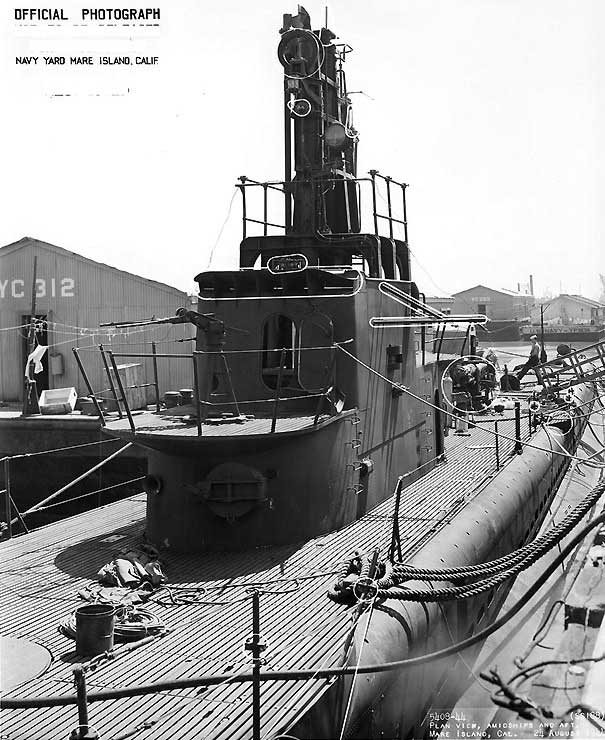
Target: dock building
{"type": "Point", "coordinates": [74, 296]}
{"type": "Point", "coordinates": [497, 304]}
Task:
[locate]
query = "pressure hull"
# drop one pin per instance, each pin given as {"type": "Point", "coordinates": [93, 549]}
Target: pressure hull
{"type": "Point", "coordinates": [504, 515]}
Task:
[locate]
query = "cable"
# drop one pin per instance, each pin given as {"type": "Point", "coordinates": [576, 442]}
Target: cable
{"type": "Point", "coordinates": [92, 493]}
{"type": "Point", "coordinates": [304, 675]}
{"type": "Point", "coordinates": [358, 663]}
{"type": "Point", "coordinates": [131, 623]}
{"type": "Point", "coordinates": [59, 449]}
{"type": "Point", "coordinates": [408, 392]}
{"type": "Point", "coordinates": [497, 571]}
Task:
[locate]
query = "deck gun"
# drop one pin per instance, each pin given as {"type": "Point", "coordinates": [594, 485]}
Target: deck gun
{"type": "Point", "coordinates": [214, 329]}
{"type": "Point", "coordinates": [209, 360]}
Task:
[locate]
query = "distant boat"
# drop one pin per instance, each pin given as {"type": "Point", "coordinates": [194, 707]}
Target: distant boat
{"type": "Point", "coordinates": [589, 333]}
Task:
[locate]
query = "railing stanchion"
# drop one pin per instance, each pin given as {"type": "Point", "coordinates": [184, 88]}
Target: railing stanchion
{"type": "Point", "coordinates": [7, 493]}
{"type": "Point", "coordinates": [122, 392]}
{"type": "Point", "coordinates": [518, 443]}
{"type": "Point", "coordinates": [395, 535]}
{"type": "Point", "coordinates": [282, 359]}
{"type": "Point", "coordinates": [256, 665]}
{"type": "Point", "coordinates": [88, 385]}
{"type": "Point", "coordinates": [230, 381]}
{"type": "Point", "coordinates": [84, 731]}
{"type": "Point", "coordinates": [441, 338]}
{"type": "Point", "coordinates": [156, 382]}
{"type": "Point", "coordinates": [405, 214]}
{"type": "Point", "coordinates": [196, 396]}
{"type": "Point", "coordinates": [244, 216]}
{"type": "Point", "coordinates": [373, 174]}
{"type": "Point", "coordinates": [497, 436]}
{"type": "Point", "coordinates": [328, 385]}
{"type": "Point", "coordinates": [110, 378]}
{"type": "Point", "coordinates": [390, 211]}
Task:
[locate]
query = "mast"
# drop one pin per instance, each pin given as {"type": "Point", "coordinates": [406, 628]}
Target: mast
{"type": "Point", "coordinates": [320, 142]}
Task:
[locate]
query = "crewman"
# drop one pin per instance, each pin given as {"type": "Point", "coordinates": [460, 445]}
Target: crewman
{"type": "Point", "coordinates": [533, 359]}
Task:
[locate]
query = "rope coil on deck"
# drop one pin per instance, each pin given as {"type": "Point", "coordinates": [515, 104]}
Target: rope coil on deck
{"type": "Point", "coordinates": [130, 624]}
{"type": "Point", "coordinates": [495, 572]}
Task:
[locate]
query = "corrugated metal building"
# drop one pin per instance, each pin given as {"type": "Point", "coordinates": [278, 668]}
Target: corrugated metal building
{"type": "Point", "coordinates": [497, 305]}
{"type": "Point", "coordinates": [74, 295]}
{"type": "Point", "coordinates": [440, 303]}
{"type": "Point", "coordinates": [570, 309]}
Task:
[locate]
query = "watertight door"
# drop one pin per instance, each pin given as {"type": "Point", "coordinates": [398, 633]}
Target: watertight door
{"type": "Point", "coordinates": [315, 352]}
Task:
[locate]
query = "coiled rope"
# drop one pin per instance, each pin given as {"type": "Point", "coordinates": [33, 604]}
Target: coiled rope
{"type": "Point", "coordinates": [131, 623]}
{"type": "Point", "coordinates": [497, 571]}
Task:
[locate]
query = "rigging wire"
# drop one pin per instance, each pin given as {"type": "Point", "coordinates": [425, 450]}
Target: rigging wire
{"type": "Point", "coordinates": [220, 233]}
{"type": "Point", "coordinates": [408, 392]}
{"type": "Point", "coordinates": [304, 675]}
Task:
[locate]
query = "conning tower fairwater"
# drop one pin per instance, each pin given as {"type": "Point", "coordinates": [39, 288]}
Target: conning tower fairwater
{"type": "Point", "coordinates": [291, 433]}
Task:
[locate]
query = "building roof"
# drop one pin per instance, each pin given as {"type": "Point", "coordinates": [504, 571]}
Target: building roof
{"type": "Point", "coordinates": [28, 241]}
{"type": "Point", "coordinates": [503, 291]}
{"type": "Point", "coordinates": [441, 298]}
{"type": "Point", "coordinates": [581, 299]}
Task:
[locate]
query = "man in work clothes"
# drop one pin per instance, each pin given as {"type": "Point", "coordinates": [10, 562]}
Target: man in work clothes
{"type": "Point", "coordinates": [533, 360]}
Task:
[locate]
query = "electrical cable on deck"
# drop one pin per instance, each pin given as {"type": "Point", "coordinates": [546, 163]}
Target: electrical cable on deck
{"type": "Point", "coordinates": [131, 624]}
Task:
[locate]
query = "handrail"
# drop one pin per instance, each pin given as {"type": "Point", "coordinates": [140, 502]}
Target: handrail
{"type": "Point", "coordinates": [282, 359]}
{"type": "Point", "coordinates": [10, 505]}
{"type": "Point", "coordinates": [310, 673]}
{"type": "Point", "coordinates": [200, 402]}
{"type": "Point", "coordinates": [81, 477]}
{"type": "Point", "coordinates": [284, 187]}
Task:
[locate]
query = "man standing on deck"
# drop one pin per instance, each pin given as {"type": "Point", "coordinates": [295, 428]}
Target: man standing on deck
{"type": "Point", "coordinates": [533, 360]}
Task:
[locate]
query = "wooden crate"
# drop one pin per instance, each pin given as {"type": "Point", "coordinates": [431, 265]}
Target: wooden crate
{"type": "Point", "coordinates": [130, 375]}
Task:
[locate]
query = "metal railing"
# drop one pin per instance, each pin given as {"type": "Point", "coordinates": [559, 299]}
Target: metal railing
{"type": "Point", "coordinates": [393, 215]}
{"type": "Point", "coordinates": [219, 366]}
{"type": "Point", "coordinates": [12, 513]}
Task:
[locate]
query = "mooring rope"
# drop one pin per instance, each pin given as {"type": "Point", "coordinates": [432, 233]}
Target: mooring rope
{"type": "Point", "coordinates": [388, 586]}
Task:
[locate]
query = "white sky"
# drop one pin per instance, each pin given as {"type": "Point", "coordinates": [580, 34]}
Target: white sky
{"type": "Point", "coordinates": [492, 110]}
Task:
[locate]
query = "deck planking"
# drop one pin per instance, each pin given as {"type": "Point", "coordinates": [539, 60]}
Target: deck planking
{"type": "Point", "coordinates": [41, 574]}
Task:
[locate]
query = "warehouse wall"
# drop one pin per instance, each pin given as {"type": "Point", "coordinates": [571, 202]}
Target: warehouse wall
{"type": "Point", "coordinates": [565, 309]}
{"type": "Point", "coordinates": [498, 306]}
{"type": "Point", "coordinates": [77, 295]}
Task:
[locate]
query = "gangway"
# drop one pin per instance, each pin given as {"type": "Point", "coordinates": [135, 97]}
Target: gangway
{"type": "Point", "coordinates": [581, 366]}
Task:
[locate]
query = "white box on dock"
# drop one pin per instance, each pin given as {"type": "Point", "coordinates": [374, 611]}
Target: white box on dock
{"type": "Point", "coordinates": [58, 401]}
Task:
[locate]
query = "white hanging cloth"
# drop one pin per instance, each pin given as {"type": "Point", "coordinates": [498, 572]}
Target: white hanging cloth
{"type": "Point", "coordinates": [36, 358]}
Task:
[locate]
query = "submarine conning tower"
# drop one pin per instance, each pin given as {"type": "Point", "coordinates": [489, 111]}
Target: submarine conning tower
{"type": "Point", "coordinates": [291, 432]}
{"type": "Point", "coordinates": [322, 194]}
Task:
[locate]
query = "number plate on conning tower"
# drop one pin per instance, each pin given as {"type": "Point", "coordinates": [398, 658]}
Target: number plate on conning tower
{"type": "Point", "coordinates": [287, 263]}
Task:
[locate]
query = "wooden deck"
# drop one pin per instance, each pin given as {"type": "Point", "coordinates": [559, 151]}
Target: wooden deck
{"type": "Point", "coordinates": [162, 424]}
{"type": "Point", "coordinates": [41, 574]}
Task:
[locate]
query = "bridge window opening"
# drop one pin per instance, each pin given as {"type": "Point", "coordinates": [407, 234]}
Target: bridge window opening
{"type": "Point", "coordinates": [279, 356]}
